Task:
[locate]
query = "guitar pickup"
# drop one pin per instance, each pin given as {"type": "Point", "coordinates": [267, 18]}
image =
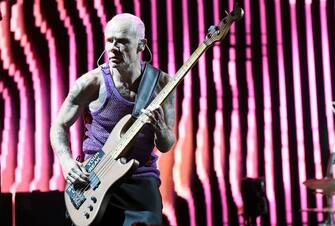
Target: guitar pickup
{"type": "Point", "coordinates": [94, 181]}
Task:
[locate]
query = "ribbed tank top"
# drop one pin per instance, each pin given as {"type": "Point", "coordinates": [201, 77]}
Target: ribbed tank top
{"type": "Point", "coordinates": [107, 116]}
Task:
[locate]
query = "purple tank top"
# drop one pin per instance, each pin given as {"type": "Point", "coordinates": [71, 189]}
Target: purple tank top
{"type": "Point", "coordinates": [107, 116]}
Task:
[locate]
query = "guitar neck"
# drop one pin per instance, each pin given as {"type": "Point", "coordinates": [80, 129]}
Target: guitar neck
{"type": "Point", "coordinates": [161, 96]}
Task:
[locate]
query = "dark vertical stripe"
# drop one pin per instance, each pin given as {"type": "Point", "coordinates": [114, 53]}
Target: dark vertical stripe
{"type": "Point", "coordinates": [242, 91]}
{"type": "Point", "coordinates": [146, 18]}
{"type": "Point", "coordinates": [163, 36]}
{"type": "Point", "coordinates": [110, 9]}
{"type": "Point", "coordinates": [128, 7]}
{"type": "Point", "coordinates": [331, 42]}
{"type": "Point", "coordinates": [256, 56]}
{"type": "Point", "coordinates": [2, 114]}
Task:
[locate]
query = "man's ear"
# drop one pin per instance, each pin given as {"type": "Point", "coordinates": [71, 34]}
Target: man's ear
{"type": "Point", "coordinates": [141, 45]}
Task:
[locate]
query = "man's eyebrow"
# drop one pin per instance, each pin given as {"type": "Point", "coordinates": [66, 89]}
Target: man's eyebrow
{"type": "Point", "coordinates": [122, 39]}
{"type": "Point", "coordinates": [117, 39]}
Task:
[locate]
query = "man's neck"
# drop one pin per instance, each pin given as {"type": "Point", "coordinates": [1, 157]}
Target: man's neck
{"type": "Point", "coordinates": [127, 75]}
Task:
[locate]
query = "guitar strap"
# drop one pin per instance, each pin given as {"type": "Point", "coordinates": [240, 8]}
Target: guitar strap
{"type": "Point", "coordinates": [146, 88]}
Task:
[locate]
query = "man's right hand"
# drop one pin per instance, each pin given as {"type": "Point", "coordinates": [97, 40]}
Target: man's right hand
{"type": "Point", "coordinates": [75, 173]}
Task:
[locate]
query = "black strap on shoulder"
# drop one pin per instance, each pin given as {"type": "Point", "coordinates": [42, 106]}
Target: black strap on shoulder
{"type": "Point", "coordinates": [146, 88]}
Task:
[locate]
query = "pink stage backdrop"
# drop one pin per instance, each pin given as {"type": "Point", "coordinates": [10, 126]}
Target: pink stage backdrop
{"type": "Point", "coordinates": [259, 104]}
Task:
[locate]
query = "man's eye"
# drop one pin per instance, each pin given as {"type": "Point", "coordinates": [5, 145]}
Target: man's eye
{"type": "Point", "coordinates": [122, 41]}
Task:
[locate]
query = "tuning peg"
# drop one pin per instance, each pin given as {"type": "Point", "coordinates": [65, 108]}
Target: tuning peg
{"type": "Point", "coordinates": [211, 28]}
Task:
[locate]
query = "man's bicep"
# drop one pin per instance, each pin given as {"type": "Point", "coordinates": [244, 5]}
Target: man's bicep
{"type": "Point", "coordinates": [69, 113]}
{"type": "Point", "coordinates": [73, 105]}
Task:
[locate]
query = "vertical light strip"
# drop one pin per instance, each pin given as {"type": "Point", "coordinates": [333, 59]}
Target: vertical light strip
{"type": "Point", "coordinates": [252, 155]}
{"type": "Point", "coordinates": [7, 145]}
{"type": "Point", "coordinates": [171, 56]}
{"type": "Point", "coordinates": [313, 98]}
{"type": "Point", "coordinates": [182, 170]}
{"type": "Point", "coordinates": [22, 175]}
{"type": "Point", "coordinates": [283, 114]}
{"type": "Point", "coordinates": [98, 5]}
{"type": "Point", "coordinates": [154, 34]}
{"type": "Point", "coordinates": [219, 144]}
{"type": "Point", "coordinates": [137, 8]}
{"type": "Point", "coordinates": [235, 135]}
{"type": "Point", "coordinates": [85, 17]}
{"type": "Point", "coordinates": [268, 148]}
{"type": "Point", "coordinates": [202, 149]}
{"type": "Point", "coordinates": [326, 70]}
{"type": "Point", "coordinates": [118, 6]}
{"type": "Point", "coordinates": [298, 108]}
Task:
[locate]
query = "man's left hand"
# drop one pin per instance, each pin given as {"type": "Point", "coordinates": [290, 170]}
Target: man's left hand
{"type": "Point", "coordinates": [156, 117]}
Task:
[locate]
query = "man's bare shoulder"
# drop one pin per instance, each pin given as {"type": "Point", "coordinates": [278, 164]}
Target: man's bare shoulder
{"type": "Point", "coordinates": [86, 87]}
{"type": "Point", "coordinates": [92, 76]}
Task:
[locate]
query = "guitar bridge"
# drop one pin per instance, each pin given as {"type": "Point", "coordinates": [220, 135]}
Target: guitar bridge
{"type": "Point", "coordinates": [76, 197]}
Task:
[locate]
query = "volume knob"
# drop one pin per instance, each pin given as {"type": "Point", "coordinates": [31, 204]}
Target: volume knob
{"type": "Point", "coordinates": [94, 199]}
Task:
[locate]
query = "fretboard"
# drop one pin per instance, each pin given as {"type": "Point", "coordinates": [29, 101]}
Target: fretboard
{"type": "Point", "coordinates": [161, 96]}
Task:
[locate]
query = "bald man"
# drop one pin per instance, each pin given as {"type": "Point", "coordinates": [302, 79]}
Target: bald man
{"type": "Point", "coordinates": [107, 93]}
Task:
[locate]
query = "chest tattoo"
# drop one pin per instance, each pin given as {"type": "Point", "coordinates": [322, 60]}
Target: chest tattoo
{"type": "Point", "coordinates": [126, 92]}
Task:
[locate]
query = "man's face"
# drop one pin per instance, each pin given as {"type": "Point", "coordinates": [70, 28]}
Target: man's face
{"type": "Point", "coordinates": [121, 45]}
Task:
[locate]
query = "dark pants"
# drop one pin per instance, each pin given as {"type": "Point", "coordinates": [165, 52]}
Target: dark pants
{"type": "Point", "coordinates": [136, 200]}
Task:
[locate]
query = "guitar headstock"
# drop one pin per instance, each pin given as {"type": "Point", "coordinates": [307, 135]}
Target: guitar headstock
{"type": "Point", "coordinates": [218, 33]}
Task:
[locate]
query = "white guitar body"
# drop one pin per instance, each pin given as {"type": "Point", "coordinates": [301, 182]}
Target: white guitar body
{"type": "Point", "coordinates": [87, 207]}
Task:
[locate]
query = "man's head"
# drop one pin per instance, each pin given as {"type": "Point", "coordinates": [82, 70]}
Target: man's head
{"type": "Point", "coordinates": [124, 40]}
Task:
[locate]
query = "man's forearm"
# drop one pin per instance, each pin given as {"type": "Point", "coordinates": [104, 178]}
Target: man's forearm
{"type": "Point", "coordinates": [164, 139]}
{"type": "Point", "coordinates": [60, 142]}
